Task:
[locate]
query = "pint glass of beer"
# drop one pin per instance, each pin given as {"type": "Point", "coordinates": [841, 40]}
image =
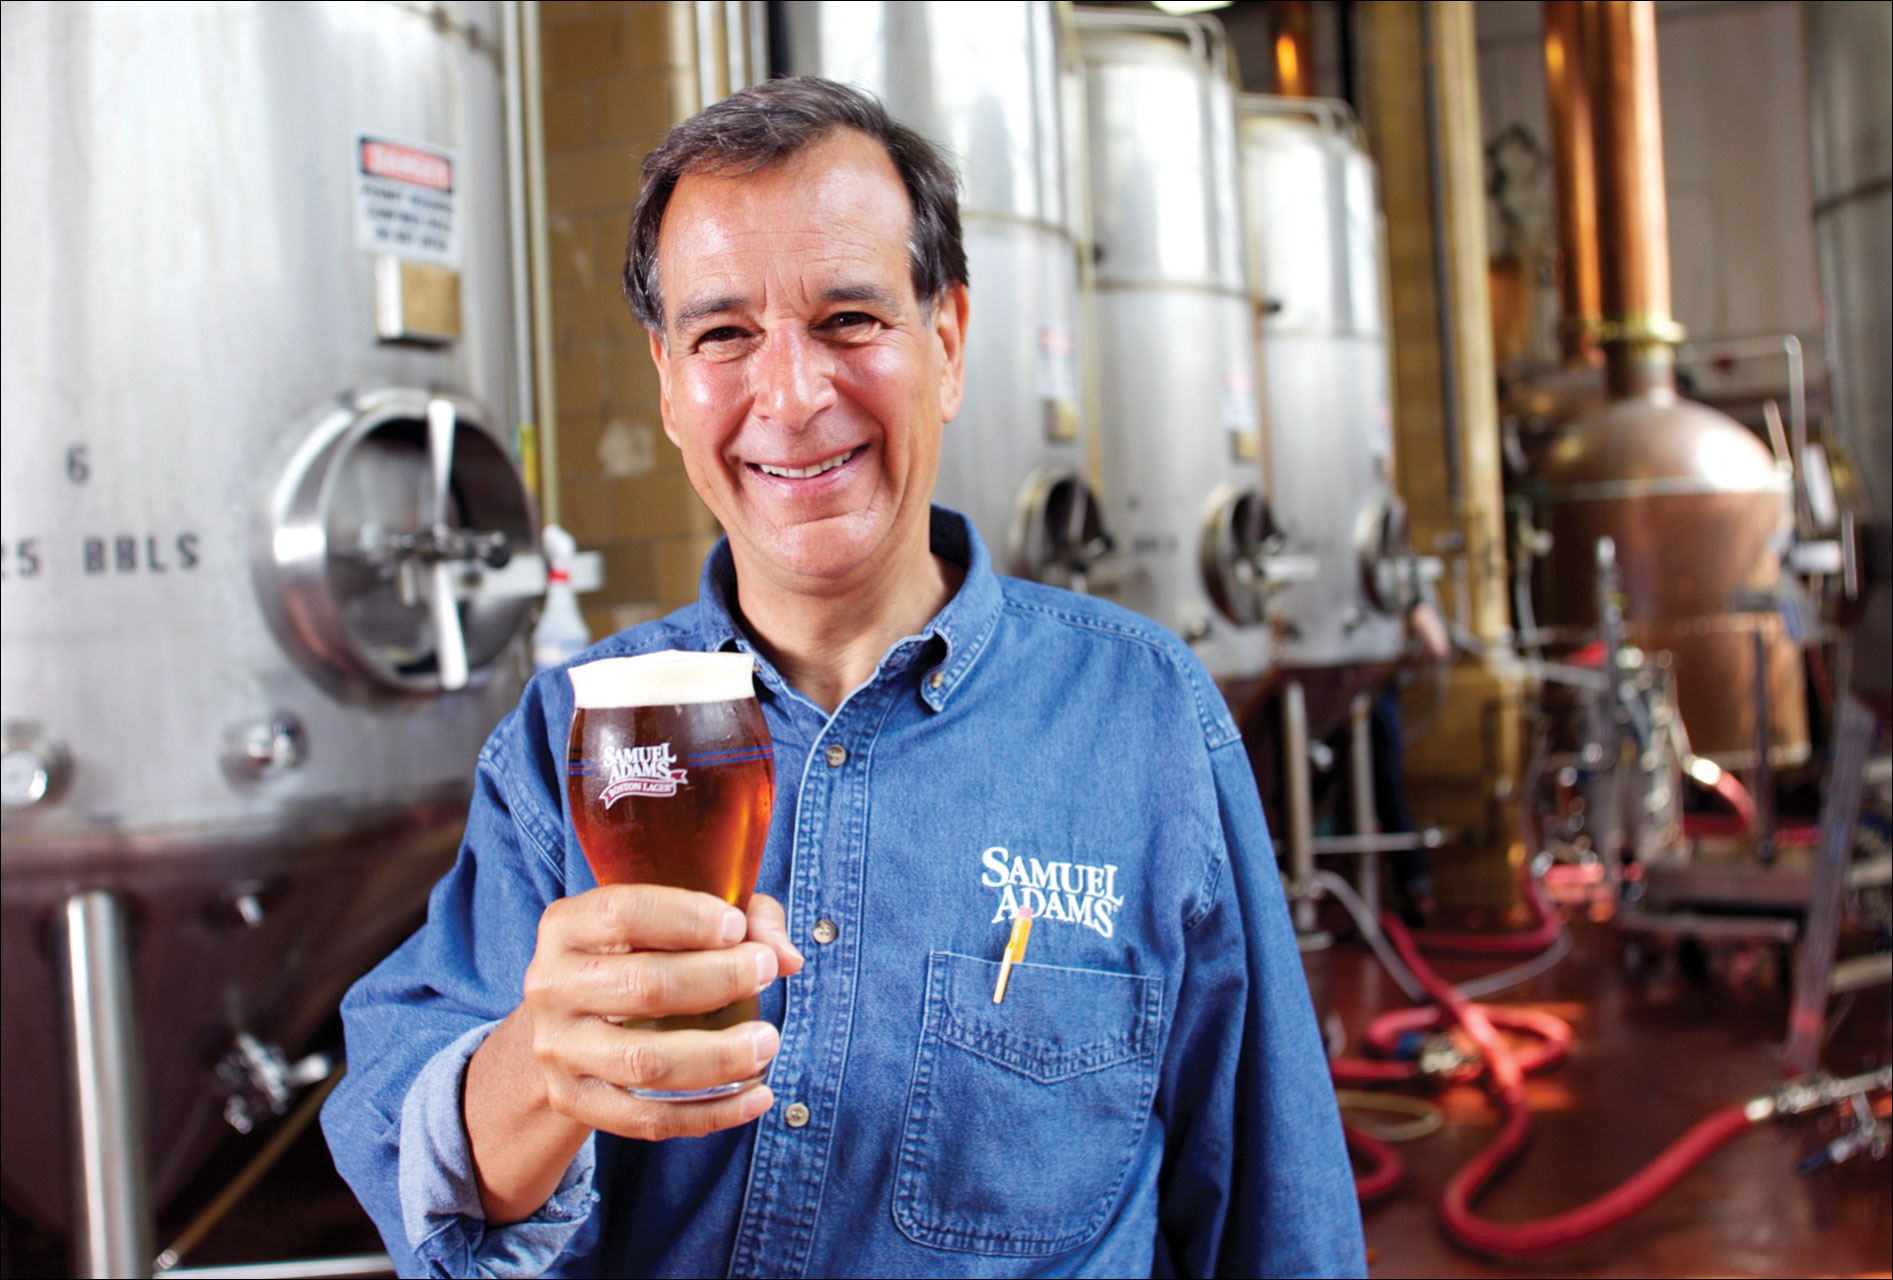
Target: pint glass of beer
{"type": "Point", "coordinates": [671, 779]}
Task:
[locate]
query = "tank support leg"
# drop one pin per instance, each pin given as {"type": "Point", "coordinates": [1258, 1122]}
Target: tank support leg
{"type": "Point", "coordinates": [1366, 818]}
{"type": "Point", "coordinates": [1764, 766]}
{"type": "Point", "coordinates": [1840, 809]}
{"type": "Point", "coordinates": [111, 1180]}
{"type": "Point", "coordinates": [1300, 804]}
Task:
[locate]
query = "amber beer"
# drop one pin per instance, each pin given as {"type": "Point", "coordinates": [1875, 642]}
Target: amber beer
{"type": "Point", "coordinates": [670, 777]}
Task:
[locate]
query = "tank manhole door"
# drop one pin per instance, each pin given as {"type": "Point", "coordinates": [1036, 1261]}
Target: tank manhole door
{"type": "Point", "coordinates": [381, 532]}
{"type": "Point", "coordinates": [1058, 534]}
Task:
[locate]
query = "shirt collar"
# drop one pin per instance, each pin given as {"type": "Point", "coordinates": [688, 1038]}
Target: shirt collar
{"type": "Point", "coordinates": [962, 628]}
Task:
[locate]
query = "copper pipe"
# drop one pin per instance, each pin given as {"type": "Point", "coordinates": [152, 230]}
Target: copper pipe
{"type": "Point", "coordinates": [1639, 334]}
{"type": "Point", "coordinates": [1574, 158]}
{"type": "Point", "coordinates": [1292, 48]}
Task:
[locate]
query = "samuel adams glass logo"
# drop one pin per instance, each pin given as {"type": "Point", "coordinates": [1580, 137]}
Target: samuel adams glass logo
{"type": "Point", "coordinates": [652, 771]}
{"type": "Point", "coordinates": [640, 771]}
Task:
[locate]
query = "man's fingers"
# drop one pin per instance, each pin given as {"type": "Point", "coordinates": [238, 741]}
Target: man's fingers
{"type": "Point", "coordinates": [631, 1057]}
{"type": "Point", "coordinates": [638, 917]}
{"type": "Point", "coordinates": [651, 984]}
{"type": "Point", "coordinates": [651, 1121]}
{"type": "Point", "coordinates": [769, 926]}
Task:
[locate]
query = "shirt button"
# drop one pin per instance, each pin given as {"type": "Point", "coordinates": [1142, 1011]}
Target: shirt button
{"type": "Point", "coordinates": [826, 932]}
{"type": "Point", "coordinates": [796, 1116]}
{"type": "Point", "coordinates": [937, 679]}
{"type": "Point", "coordinates": [837, 755]}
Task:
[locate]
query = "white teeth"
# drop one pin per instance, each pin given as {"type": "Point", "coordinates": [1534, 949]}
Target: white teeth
{"type": "Point", "coordinates": [803, 473]}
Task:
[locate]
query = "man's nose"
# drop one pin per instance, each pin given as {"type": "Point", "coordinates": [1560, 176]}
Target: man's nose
{"type": "Point", "coordinates": [791, 378]}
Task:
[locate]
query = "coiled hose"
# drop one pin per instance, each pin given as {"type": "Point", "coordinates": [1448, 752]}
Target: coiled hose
{"type": "Point", "coordinates": [1505, 1077]}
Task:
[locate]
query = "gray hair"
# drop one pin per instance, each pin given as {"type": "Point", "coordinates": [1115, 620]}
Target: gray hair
{"type": "Point", "coordinates": [766, 124]}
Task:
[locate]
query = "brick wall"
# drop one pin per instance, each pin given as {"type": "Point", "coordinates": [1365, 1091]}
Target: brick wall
{"type": "Point", "coordinates": [615, 77]}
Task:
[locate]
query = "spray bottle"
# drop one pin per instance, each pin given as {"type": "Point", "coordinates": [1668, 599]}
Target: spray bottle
{"type": "Point", "coordinates": [561, 633]}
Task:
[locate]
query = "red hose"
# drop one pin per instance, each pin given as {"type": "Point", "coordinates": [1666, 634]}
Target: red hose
{"type": "Point", "coordinates": [1385, 1167]}
{"type": "Point", "coordinates": [1465, 1187]}
{"type": "Point", "coordinates": [1621, 1202]}
{"type": "Point", "coordinates": [1367, 1071]}
{"type": "Point", "coordinates": [1553, 1034]}
{"type": "Point", "coordinates": [1544, 931]}
{"type": "Point", "coordinates": [1730, 788]}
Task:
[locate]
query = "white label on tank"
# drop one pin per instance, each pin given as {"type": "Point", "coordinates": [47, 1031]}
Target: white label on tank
{"type": "Point", "coordinates": [1058, 363]}
{"type": "Point", "coordinates": [406, 199]}
{"type": "Point", "coordinates": [1380, 432]}
{"type": "Point", "coordinates": [1242, 410]}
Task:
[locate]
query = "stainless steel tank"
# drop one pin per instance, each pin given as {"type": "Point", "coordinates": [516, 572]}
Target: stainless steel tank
{"type": "Point", "coordinates": [1314, 228]}
{"type": "Point", "coordinates": [1180, 418]}
{"type": "Point", "coordinates": [987, 83]}
{"type": "Point", "coordinates": [259, 384]}
{"type": "Point", "coordinates": [1850, 71]}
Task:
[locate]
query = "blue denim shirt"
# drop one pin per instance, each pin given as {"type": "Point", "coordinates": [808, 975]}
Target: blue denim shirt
{"type": "Point", "coordinates": [1150, 1098]}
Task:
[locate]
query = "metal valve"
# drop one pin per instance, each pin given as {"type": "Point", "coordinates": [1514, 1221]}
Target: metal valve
{"type": "Point", "coordinates": [262, 1081]}
{"type": "Point", "coordinates": [265, 748]}
{"type": "Point", "coordinates": [432, 545]}
{"type": "Point", "coordinates": [1813, 1092]}
{"type": "Point", "coordinates": [1865, 1132]}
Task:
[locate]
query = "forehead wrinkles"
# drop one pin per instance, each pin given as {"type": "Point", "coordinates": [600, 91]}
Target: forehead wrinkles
{"type": "Point", "coordinates": [838, 206]}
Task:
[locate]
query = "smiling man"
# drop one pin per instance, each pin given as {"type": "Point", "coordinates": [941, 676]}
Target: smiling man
{"type": "Point", "coordinates": [953, 749]}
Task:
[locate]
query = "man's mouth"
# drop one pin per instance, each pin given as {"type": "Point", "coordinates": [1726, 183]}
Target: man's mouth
{"type": "Point", "coordinates": [805, 473]}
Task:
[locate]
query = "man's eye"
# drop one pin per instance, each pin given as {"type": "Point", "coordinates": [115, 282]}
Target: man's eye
{"type": "Point", "coordinates": [850, 323]}
{"type": "Point", "coordinates": [722, 333]}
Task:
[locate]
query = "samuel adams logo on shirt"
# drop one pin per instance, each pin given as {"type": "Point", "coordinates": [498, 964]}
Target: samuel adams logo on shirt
{"type": "Point", "coordinates": [1076, 892]}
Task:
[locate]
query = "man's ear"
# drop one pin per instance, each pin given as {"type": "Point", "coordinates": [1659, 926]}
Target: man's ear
{"type": "Point", "coordinates": [660, 358]}
{"type": "Point", "coordinates": [949, 327]}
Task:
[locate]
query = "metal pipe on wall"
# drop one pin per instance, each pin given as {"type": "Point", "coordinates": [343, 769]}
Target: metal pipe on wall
{"type": "Point", "coordinates": [1291, 47]}
{"type": "Point", "coordinates": [1442, 272]}
{"type": "Point", "coordinates": [519, 228]}
{"type": "Point", "coordinates": [1639, 333]}
{"type": "Point", "coordinates": [1574, 161]}
{"type": "Point", "coordinates": [540, 245]}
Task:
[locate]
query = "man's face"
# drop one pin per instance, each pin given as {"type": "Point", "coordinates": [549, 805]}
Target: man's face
{"type": "Point", "coordinates": [803, 381]}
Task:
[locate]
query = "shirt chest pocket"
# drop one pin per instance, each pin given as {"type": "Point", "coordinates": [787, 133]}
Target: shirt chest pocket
{"type": "Point", "coordinates": [1024, 1116]}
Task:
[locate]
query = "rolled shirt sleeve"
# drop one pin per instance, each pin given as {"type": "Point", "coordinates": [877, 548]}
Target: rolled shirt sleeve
{"type": "Point", "coordinates": [440, 1196]}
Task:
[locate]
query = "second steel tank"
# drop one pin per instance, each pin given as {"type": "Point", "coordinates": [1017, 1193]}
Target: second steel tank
{"type": "Point", "coordinates": [1315, 252]}
{"type": "Point", "coordinates": [987, 83]}
{"type": "Point", "coordinates": [1180, 419]}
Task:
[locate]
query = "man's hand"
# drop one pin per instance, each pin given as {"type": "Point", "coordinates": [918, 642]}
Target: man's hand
{"type": "Point", "coordinates": [559, 1066]}
{"type": "Point", "coordinates": [626, 952]}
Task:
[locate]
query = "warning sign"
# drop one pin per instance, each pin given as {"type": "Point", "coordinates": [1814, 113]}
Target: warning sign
{"type": "Point", "coordinates": [1058, 363]}
{"type": "Point", "coordinates": [406, 199]}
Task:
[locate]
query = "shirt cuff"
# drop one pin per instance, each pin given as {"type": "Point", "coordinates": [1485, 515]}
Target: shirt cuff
{"type": "Point", "coordinates": [440, 1196]}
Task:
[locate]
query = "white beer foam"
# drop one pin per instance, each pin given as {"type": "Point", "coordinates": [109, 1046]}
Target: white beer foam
{"type": "Point", "coordinates": [668, 678]}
